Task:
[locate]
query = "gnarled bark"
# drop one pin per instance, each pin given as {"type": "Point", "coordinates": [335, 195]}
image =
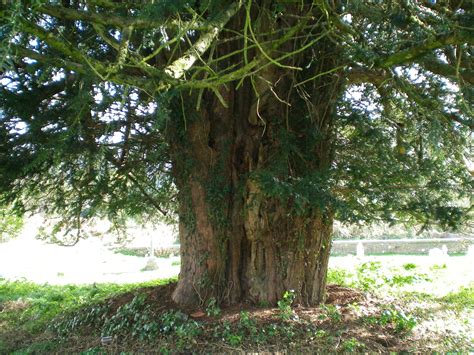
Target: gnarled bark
{"type": "Point", "coordinates": [239, 243]}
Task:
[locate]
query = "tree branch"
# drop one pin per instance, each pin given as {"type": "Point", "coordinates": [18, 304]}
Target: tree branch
{"type": "Point", "coordinates": [101, 31]}
{"type": "Point", "coordinates": [105, 19]}
{"type": "Point", "coordinates": [437, 67]}
{"type": "Point", "coordinates": [55, 61]}
{"type": "Point", "coordinates": [166, 77]}
{"type": "Point", "coordinates": [413, 53]}
{"type": "Point", "coordinates": [119, 78]}
{"type": "Point", "coordinates": [179, 67]}
{"type": "Point", "coordinates": [422, 100]}
{"type": "Point", "coordinates": [108, 19]}
{"type": "Point", "coordinates": [360, 75]}
{"type": "Point", "coordinates": [51, 40]}
{"type": "Point", "coordinates": [110, 157]}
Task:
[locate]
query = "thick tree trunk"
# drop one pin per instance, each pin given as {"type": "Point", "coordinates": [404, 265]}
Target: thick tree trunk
{"type": "Point", "coordinates": [245, 233]}
{"type": "Point", "coordinates": [239, 242]}
{"type": "Point", "coordinates": [264, 254]}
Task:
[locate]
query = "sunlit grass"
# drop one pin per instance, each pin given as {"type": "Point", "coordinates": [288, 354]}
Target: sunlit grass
{"type": "Point", "coordinates": [464, 298]}
{"type": "Point", "coordinates": [30, 306]}
{"type": "Point", "coordinates": [27, 310]}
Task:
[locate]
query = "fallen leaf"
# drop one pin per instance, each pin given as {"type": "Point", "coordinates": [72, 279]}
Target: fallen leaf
{"type": "Point", "coordinates": [198, 314]}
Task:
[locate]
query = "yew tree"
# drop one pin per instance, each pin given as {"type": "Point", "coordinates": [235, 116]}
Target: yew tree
{"type": "Point", "coordinates": [256, 122]}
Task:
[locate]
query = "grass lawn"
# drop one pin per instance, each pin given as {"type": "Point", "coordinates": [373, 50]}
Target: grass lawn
{"type": "Point", "coordinates": [379, 304]}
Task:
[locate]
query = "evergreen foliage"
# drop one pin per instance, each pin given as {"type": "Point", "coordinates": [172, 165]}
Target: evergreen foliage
{"type": "Point", "coordinates": [10, 224]}
{"type": "Point", "coordinates": [91, 92]}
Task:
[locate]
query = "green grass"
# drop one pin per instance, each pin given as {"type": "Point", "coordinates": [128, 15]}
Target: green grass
{"type": "Point", "coordinates": [373, 276]}
{"type": "Point", "coordinates": [143, 252]}
{"type": "Point", "coordinates": [462, 299]}
{"type": "Point", "coordinates": [28, 308]}
{"type": "Point", "coordinates": [44, 318]}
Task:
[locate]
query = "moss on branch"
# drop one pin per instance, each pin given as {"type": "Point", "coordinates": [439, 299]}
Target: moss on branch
{"type": "Point", "coordinates": [428, 46]}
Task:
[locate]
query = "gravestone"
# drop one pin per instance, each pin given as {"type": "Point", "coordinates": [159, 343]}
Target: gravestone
{"type": "Point", "coordinates": [151, 263]}
{"type": "Point", "coordinates": [470, 251]}
{"type": "Point", "coordinates": [360, 252]}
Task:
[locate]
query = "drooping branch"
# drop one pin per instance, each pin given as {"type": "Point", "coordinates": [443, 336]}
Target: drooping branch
{"type": "Point", "coordinates": [416, 95]}
{"type": "Point", "coordinates": [108, 19]}
{"type": "Point", "coordinates": [133, 179]}
{"type": "Point", "coordinates": [119, 78]}
{"type": "Point", "coordinates": [437, 67]}
{"type": "Point", "coordinates": [162, 78]}
{"type": "Point", "coordinates": [47, 91]}
{"type": "Point", "coordinates": [56, 44]}
{"type": "Point", "coordinates": [379, 78]}
{"type": "Point", "coordinates": [415, 52]}
{"type": "Point", "coordinates": [105, 19]}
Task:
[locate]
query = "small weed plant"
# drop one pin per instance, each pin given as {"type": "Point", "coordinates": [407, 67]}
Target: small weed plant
{"type": "Point", "coordinates": [438, 267]}
{"type": "Point", "coordinates": [403, 323]}
{"type": "Point", "coordinates": [352, 344]}
{"type": "Point", "coordinates": [398, 319]}
{"type": "Point", "coordinates": [247, 324]}
{"type": "Point", "coordinates": [370, 276]}
{"type": "Point", "coordinates": [284, 305]}
{"type": "Point", "coordinates": [134, 317]}
{"type": "Point", "coordinates": [409, 266]}
{"type": "Point", "coordinates": [339, 276]}
{"type": "Point", "coordinates": [234, 335]}
{"type": "Point", "coordinates": [212, 309]}
{"type": "Point", "coordinates": [400, 280]}
{"type": "Point", "coordinates": [331, 312]}
{"type": "Point", "coordinates": [461, 300]}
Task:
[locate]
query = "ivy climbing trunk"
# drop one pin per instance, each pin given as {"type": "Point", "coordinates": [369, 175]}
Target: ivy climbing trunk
{"type": "Point", "coordinates": [246, 161]}
{"type": "Point", "coordinates": [240, 240]}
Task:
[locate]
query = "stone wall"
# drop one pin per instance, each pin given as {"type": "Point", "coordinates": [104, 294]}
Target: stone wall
{"type": "Point", "coordinates": [345, 247]}
{"type": "Point", "coordinates": [401, 246]}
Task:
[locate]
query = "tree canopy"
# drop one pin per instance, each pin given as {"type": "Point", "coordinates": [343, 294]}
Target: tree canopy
{"type": "Point", "coordinates": [86, 88]}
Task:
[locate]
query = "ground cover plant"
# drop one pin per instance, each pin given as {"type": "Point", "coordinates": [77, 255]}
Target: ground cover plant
{"type": "Point", "coordinates": [365, 311]}
{"type": "Point", "coordinates": [27, 308]}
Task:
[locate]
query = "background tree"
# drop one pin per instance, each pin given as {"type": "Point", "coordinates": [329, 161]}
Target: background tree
{"type": "Point", "coordinates": [261, 121]}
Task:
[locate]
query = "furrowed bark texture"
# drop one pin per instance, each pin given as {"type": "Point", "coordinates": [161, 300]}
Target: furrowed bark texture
{"type": "Point", "coordinates": [238, 242]}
